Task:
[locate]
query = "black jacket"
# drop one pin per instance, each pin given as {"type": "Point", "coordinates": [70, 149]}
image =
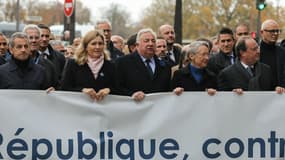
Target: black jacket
{"type": "Point", "coordinates": [274, 56]}
{"type": "Point", "coordinates": [218, 62]}
{"type": "Point", "coordinates": [132, 75]}
{"type": "Point", "coordinates": [14, 77]}
{"type": "Point", "coordinates": [57, 59]}
{"type": "Point", "coordinates": [114, 52]}
{"type": "Point", "coordinates": [184, 78]}
{"type": "Point", "coordinates": [236, 76]}
{"type": "Point", "coordinates": [2, 60]}
{"type": "Point", "coordinates": [76, 77]}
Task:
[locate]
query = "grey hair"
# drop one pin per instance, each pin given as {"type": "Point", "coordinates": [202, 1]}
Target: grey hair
{"type": "Point", "coordinates": [55, 42]}
{"type": "Point", "coordinates": [193, 47]}
{"type": "Point", "coordinates": [33, 27]}
{"type": "Point", "coordinates": [103, 22]}
{"type": "Point", "coordinates": [145, 30]}
{"type": "Point", "coordinates": [17, 35]}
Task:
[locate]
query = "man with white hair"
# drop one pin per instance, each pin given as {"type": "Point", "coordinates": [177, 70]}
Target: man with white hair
{"type": "Point", "coordinates": [141, 72]}
{"type": "Point", "coordinates": [34, 33]}
{"type": "Point", "coordinates": [272, 54]}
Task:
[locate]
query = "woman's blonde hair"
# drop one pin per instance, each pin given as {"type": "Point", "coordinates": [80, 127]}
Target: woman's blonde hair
{"type": "Point", "coordinates": [81, 52]}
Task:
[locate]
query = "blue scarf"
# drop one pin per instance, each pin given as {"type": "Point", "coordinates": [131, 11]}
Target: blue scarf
{"type": "Point", "coordinates": [196, 72]}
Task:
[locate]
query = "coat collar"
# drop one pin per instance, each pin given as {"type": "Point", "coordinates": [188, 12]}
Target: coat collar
{"type": "Point", "coordinates": [13, 66]}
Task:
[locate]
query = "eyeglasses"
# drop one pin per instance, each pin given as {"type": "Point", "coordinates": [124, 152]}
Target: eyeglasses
{"type": "Point", "coordinates": [278, 31]}
{"type": "Point", "coordinates": [242, 34]}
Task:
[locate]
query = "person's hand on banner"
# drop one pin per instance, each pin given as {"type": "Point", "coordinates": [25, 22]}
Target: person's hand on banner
{"type": "Point", "coordinates": [279, 90]}
{"type": "Point", "coordinates": [211, 91]}
{"type": "Point", "coordinates": [178, 91]}
{"type": "Point", "coordinates": [102, 93]}
{"type": "Point", "coordinates": [138, 96]}
{"type": "Point", "coordinates": [238, 91]}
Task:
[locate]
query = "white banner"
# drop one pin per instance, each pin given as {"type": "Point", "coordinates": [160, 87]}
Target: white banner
{"type": "Point", "coordinates": [66, 125]}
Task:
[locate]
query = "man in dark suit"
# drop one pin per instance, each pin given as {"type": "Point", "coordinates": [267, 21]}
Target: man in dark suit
{"type": "Point", "coordinates": [3, 48]}
{"type": "Point", "coordinates": [142, 72]}
{"type": "Point", "coordinates": [247, 74]}
{"type": "Point", "coordinates": [45, 49]}
{"type": "Point", "coordinates": [34, 33]}
{"type": "Point", "coordinates": [226, 56]}
{"type": "Point", "coordinates": [173, 51]}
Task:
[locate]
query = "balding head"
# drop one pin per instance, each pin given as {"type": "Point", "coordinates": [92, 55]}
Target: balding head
{"type": "Point", "coordinates": [270, 31]}
{"type": "Point", "coordinates": [163, 27]}
{"type": "Point", "coordinates": [118, 42]}
{"type": "Point", "coordinates": [167, 32]}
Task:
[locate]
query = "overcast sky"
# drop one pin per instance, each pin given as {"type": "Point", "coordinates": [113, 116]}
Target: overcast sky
{"type": "Point", "coordinates": [134, 7]}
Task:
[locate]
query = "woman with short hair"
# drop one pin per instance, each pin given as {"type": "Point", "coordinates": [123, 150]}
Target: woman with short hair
{"type": "Point", "coordinates": [195, 76]}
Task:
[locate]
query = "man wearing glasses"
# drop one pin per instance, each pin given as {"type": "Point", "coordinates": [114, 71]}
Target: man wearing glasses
{"type": "Point", "coordinates": [106, 28]}
{"type": "Point", "coordinates": [270, 53]}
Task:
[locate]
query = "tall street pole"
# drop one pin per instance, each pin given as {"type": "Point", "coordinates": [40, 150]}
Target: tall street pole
{"type": "Point", "coordinates": [178, 21]}
{"type": "Point", "coordinates": [258, 23]}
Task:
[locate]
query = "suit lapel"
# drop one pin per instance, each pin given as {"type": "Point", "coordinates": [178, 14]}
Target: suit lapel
{"type": "Point", "coordinates": [158, 67]}
{"type": "Point", "coordinates": [140, 65]}
{"type": "Point", "coordinates": [257, 69]}
{"type": "Point", "coordinates": [242, 70]}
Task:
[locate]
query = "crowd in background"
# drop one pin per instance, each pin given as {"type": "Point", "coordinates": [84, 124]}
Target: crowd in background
{"type": "Point", "coordinates": [100, 63]}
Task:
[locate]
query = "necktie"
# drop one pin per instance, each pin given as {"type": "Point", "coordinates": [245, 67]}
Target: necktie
{"type": "Point", "coordinates": [232, 59]}
{"type": "Point", "coordinates": [148, 67]}
{"type": "Point", "coordinates": [250, 70]}
{"type": "Point", "coordinates": [45, 55]}
{"type": "Point", "coordinates": [171, 56]}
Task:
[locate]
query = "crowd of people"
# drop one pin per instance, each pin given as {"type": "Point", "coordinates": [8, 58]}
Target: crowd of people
{"type": "Point", "coordinates": [97, 63]}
